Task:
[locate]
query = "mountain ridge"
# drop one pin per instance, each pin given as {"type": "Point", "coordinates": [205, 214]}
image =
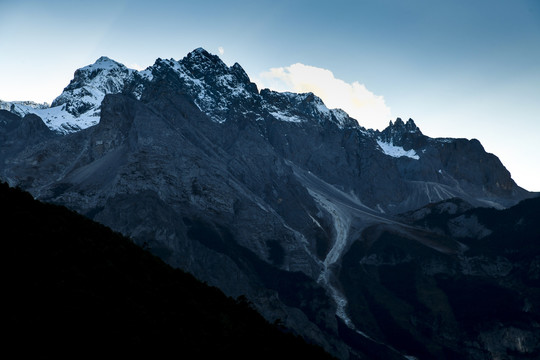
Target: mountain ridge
{"type": "Point", "coordinates": [242, 187]}
{"type": "Point", "coordinates": [82, 98]}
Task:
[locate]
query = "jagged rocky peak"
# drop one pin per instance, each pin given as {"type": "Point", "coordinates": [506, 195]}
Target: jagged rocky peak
{"type": "Point", "coordinates": [200, 68]}
{"type": "Point", "coordinates": [215, 88]}
{"type": "Point", "coordinates": [284, 98]}
{"type": "Point", "coordinates": [401, 127]}
{"type": "Point", "coordinates": [161, 65]}
{"type": "Point", "coordinates": [202, 64]}
{"type": "Point", "coordinates": [109, 70]}
{"type": "Point", "coordinates": [307, 103]}
{"type": "Point", "coordinates": [304, 107]}
{"type": "Point", "coordinates": [401, 133]}
{"type": "Point", "coordinates": [201, 55]}
{"type": "Point", "coordinates": [240, 73]}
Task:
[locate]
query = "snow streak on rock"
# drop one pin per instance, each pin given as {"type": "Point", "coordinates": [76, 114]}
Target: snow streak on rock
{"type": "Point", "coordinates": [342, 223]}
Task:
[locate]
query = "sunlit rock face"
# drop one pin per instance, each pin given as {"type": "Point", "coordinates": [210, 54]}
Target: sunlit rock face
{"type": "Point", "coordinates": [369, 243]}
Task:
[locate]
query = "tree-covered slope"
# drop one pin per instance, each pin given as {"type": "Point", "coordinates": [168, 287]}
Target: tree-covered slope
{"type": "Point", "coordinates": [77, 289]}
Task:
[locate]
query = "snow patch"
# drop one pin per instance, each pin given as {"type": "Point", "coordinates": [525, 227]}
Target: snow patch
{"type": "Point", "coordinates": [396, 151]}
{"type": "Point", "coordinates": [322, 108]}
{"type": "Point", "coordinates": [284, 117]}
{"type": "Point", "coordinates": [56, 118]}
{"type": "Point", "coordinates": [341, 117]}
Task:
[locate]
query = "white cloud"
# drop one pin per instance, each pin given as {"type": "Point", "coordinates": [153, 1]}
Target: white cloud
{"type": "Point", "coordinates": [361, 104]}
{"type": "Point", "coordinates": [221, 50]}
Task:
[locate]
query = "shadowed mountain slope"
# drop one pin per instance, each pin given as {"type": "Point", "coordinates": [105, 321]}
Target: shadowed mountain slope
{"type": "Point", "coordinates": [77, 289]}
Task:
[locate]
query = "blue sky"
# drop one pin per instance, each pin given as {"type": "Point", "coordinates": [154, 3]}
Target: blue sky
{"type": "Point", "coordinates": [459, 68]}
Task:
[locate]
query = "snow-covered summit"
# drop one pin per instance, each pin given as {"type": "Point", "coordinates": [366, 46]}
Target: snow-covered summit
{"type": "Point", "coordinates": [78, 107]}
{"type": "Point", "coordinates": [102, 63]}
{"type": "Point", "coordinates": [215, 87]}
{"type": "Point", "coordinates": [90, 84]}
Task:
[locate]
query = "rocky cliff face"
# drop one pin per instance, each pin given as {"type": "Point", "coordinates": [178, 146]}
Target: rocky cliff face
{"type": "Point", "coordinates": [274, 196]}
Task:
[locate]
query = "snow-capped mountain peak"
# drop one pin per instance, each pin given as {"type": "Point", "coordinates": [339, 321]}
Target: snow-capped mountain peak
{"type": "Point", "coordinates": [217, 89]}
{"type": "Point", "coordinates": [103, 62]}
{"type": "Point", "coordinates": [90, 84]}
{"type": "Point", "coordinates": [78, 107]}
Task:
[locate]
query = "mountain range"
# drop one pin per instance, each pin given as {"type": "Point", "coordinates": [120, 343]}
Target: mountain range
{"type": "Point", "coordinates": [373, 244]}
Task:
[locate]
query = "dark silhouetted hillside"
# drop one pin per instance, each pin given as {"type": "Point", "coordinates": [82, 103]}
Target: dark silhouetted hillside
{"type": "Point", "coordinates": [77, 289]}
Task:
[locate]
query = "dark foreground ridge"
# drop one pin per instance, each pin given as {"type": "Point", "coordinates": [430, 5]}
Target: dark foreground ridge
{"type": "Point", "coordinates": [77, 289]}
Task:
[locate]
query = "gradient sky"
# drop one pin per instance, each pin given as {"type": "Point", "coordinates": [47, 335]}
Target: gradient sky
{"type": "Point", "coordinates": [459, 68]}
